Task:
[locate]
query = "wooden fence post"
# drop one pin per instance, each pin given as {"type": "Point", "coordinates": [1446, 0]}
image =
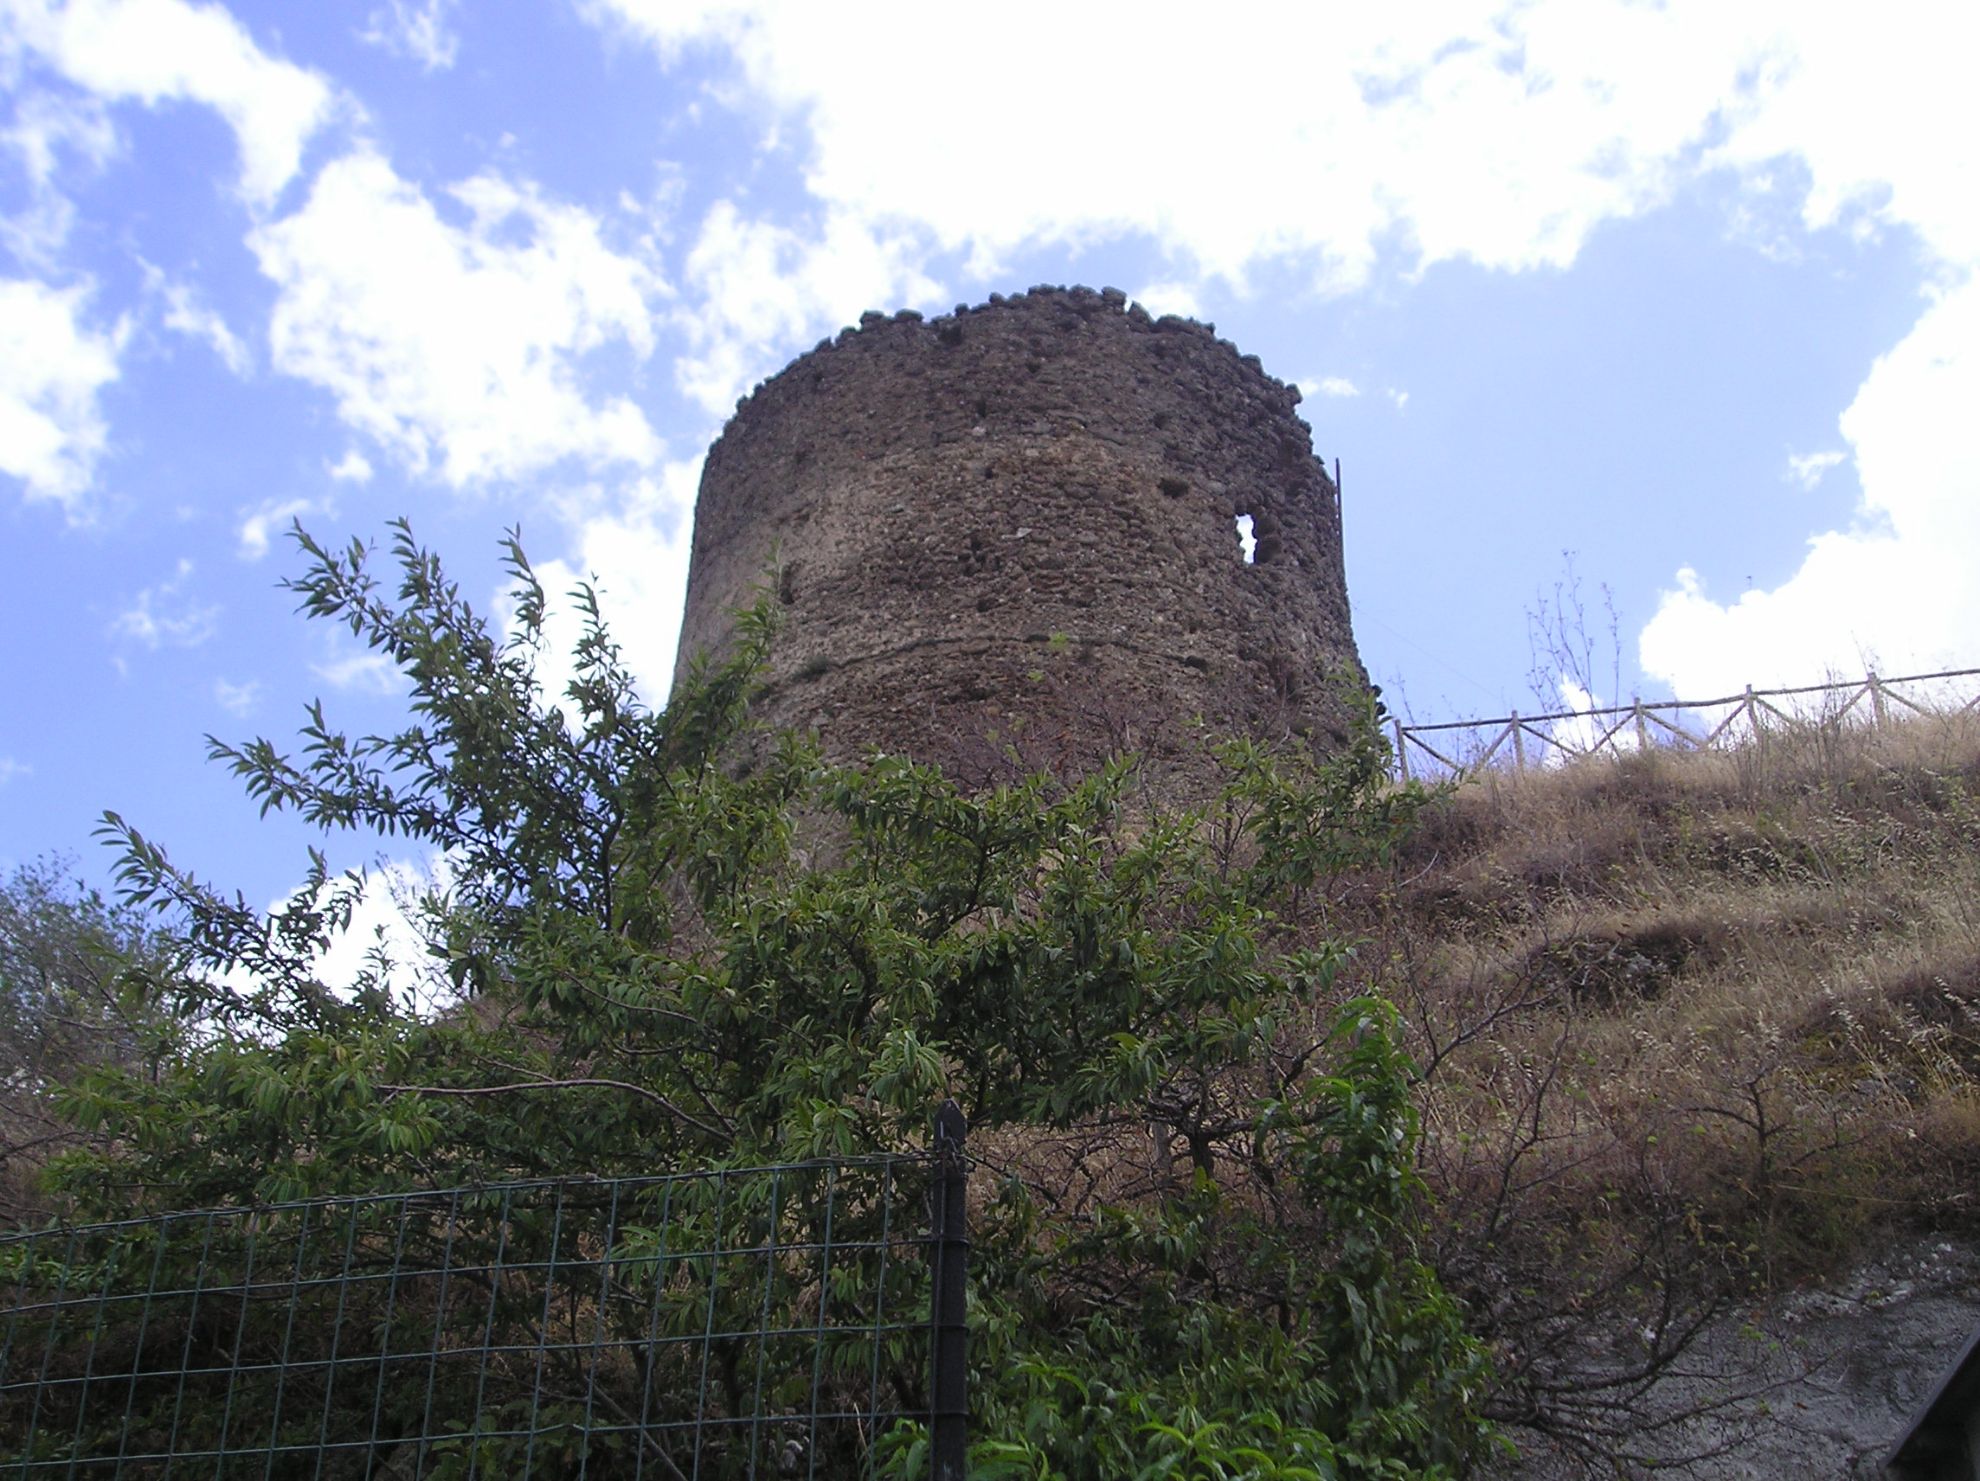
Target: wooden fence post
{"type": "Point", "coordinates": [1402, 751]}
{"type": "Point", "coordinates": [1519, 743]}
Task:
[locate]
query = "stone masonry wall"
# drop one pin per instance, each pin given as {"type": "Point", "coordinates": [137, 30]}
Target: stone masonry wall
{"type": "Point", "coordinates": [1005, 539]}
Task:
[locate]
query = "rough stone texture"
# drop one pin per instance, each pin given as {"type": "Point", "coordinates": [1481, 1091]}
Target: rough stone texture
{"type": "Point", "coordinates": [1854, 1359]}
{"type": "Point", "coordinates": [1006, 539]}
{"type": "Point", "coordinates": [1815, 1383]}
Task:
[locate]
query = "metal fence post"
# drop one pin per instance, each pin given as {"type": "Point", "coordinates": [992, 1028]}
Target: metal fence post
{"type": "Point", "coordinates": [949, 1314]}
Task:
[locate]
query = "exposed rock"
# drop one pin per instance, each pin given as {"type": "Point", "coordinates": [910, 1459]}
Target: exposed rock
{"type": "Point", "coordinates": [1814, 1383]}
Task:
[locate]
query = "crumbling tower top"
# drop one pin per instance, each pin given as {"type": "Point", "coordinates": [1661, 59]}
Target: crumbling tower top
{"type": "Point", "coordinates": [1008, 538]}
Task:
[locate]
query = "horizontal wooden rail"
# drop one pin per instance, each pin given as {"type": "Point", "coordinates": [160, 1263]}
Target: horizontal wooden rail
{"type": "Point", "coordinates": [1659, 722]}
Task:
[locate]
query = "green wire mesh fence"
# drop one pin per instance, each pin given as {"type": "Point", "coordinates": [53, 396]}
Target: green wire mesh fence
{"type": "Point", "coordinates": [769, 1321]}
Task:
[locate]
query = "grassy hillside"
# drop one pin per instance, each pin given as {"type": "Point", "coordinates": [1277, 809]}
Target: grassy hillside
{"type": "Point", "coordinates": [1690, 1027]}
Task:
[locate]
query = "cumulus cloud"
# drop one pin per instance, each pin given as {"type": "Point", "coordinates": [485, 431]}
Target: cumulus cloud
{"type": "Point", "coordinates": [458, 345]}
{"type": "Point", "coordinates": [46, 126]}
{"type": "Point", "coordinates": [1502, 134]}
{"type": "Point", "coordinates": [46, 129]}
{"type": "Point", "coordinates": [1895, 589]}
{"type": "Point", "coordinates": [1879, 111]}
{"type": "Point", "coordinates": [260, 525]}
{"type": "Point", "coordinates": [385, 918]}
{"type": "Point", "coordinates": [631, 545]}
{"type": "Point", "coordinates": [1498, 133]}
{"type": "Point", "coordinates": [1332, 385]}
{"type": "Point", "coordinates": [161, 51]}
{"type": "Point", "coordinates": [1171, 297]}
{"type": "Point", "coordinates": [169, 614]}
{"type": "Point", "coordinates": [416, 30]}
{"type": "Point", "coordinates": [10, 768]}
{"type": "Point", "coordinates": [1584, 730]}
{"type": "Point", "coordinates": [353, 467]}
{"type": "Point", "coordinates": [52, 372]}
{"type": "Point", "coordinates": [759, 287]}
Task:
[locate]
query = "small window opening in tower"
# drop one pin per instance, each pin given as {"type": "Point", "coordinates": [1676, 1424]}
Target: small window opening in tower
{"type": "Point", "coordinates": [1247, 542]}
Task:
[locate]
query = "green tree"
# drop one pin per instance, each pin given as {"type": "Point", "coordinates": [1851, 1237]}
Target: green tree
{"type": "Point", "coordinates": [63, 950]}
{"type": "Point", "coordinates": [669, 939]}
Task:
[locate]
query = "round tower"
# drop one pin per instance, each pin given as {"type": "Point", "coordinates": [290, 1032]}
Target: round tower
{"type": "Point", "coordinates": [1008, 539]}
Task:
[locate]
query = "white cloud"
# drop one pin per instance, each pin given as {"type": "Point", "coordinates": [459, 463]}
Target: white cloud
{"type": "Point", "coordinates": [358, 668]}
{"type": "Point", "coordinates": [385, 920]}
{"type": "Point", "coordinates": [1398, 399]}
{"type": "Point", "coordinates": [47, 125]}
{"type": "Point", "coordinates": [10, 768]}
{"type": "Point", "coordinates": [45, 128]}
{"type": "Point", "coordinates": [159, 51]}
{"type": "Point", "coordinates": [1877, 114]}
{"type": "Point", "coordinates": [1332, 385]}
{"type": "Point", "coordinates": [353, 467]}
{"type": "Point", "coordinates": [1584, 730]}
{"type": "Point", "coordinates": [188, 314]}
{"type": "Point", "coordinates": [168, 614]}
{"type": "Point", "coordinates": [1878, 107]}
{"type": "Point", "coordinates": [237, 699]}
{"type": "Point", "coordinates": [257, 528]}
{"type": "Point", "coordinates": [416, 30]}
{"type": "Point", "coordinates": [52, 372]}
{"type": "Point", "coordinates": [1809, 469]}
{"type": "Point", "coordinates": [1171, 297]}
{"type": "Point", "coordinates": [1498, 133]}
{"type": "Point", "coordinates": [385, 917]}
{"type": "Point", "coordinates": [633, 547]}
{"type": "Point", "coordinates": [459, 347]}
{"type": "Point", "coordinates": [760, 288]}
{"type": "Point", "coordinates": [1897, 589]}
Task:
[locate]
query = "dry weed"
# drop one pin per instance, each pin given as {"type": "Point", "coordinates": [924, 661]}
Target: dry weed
{"type": "Point", "coordinates": [1687, 1024]}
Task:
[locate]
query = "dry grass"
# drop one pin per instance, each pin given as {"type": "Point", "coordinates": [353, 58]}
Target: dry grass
{"type": "Point", "coordinates": [1738, 993]}
{"type": "Point", "coordinates": [1690, 1027]}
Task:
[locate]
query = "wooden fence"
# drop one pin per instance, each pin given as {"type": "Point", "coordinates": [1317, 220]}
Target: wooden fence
{"type": "Point", "coordinates": [1464, 748]}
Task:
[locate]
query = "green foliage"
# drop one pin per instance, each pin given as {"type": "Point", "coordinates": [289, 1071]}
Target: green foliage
{"type": "Point", "coordinates": [625, 1317]}
{"type": "Point", "coordinates": [668, 940]}
{"type": "Point", "coordinates": [1271, 1326]}
{"type": "Point", "coordinates": [63, 952]}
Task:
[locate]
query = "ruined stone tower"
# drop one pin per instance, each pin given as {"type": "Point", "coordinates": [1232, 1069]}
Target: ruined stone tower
{"type": "Point", "coordinates": [1007, 539]}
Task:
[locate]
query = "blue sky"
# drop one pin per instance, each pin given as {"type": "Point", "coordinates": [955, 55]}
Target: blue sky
{"type": "Point", "coordinates": [1686, 290]}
